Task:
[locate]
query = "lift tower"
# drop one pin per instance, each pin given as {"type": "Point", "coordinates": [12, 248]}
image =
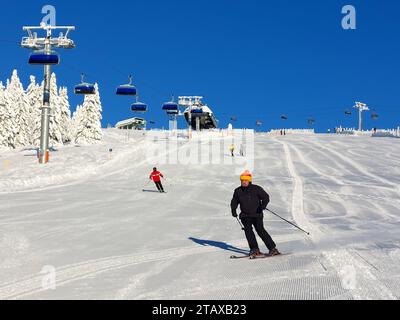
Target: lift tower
{"type": "Point", "coordinates": [44, 55]}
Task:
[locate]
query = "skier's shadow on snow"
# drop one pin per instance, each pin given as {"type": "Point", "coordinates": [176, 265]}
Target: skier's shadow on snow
{"type": "Point", "coordinates": [217, 244]}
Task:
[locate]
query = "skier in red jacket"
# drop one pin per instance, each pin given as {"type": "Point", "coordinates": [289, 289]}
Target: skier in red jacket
{"type": "Point", "coordinates": [156, 177]}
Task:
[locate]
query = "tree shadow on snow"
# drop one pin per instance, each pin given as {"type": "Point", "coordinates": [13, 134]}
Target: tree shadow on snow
{"type": "Point", "coordinates": [217, 244]}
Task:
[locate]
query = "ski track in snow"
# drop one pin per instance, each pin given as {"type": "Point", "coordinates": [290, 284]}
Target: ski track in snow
{"type": "Point", "coordinates": [367, 284]}
{"type": "Point", "coordinates": [298, 198]}
{"type": "Point", "coordinates": [357, 167]}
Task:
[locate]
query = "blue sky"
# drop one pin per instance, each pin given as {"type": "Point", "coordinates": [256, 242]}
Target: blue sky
{"type": "Point", "coordinates": [254, 59]}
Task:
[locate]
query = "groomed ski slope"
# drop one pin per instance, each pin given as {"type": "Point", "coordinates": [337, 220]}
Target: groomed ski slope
{"type": "Point", "coordinates": [85, 215]}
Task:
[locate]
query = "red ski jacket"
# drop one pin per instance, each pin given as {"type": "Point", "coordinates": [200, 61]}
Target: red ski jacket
{"type": "Point", "coordinates": [156, 176]}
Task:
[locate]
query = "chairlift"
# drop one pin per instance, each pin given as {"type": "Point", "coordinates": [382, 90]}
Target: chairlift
{"type": "Point", "coordinates": [138, 106]}
{"type": "Point", "coordinates": [374, 116]}
{"type": "Point", "coordinates": [197, 111]}
{"type": "Point", "coordinates": [42, 57]}
{"type": "Point", "coordinates": [84, 87]}
{"type": "Point", "coordinates": [127, 89]}
{"type": "Point", "coordinates": [171, 106]}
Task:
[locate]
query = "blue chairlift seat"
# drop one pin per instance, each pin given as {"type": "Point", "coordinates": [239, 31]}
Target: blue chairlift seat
{"type": "Point", "coordinates": [311, 121]}
{"type": "Point", "coordinates": [126, 90]}
{"type": "Point", "coordinates": [44, 58]}
{"type": "Point", "coordinates": [170, 106]}
{"type": "Point", "coordinates": [84, 88]}
{"type": "Point", "coordinates": [139, 107]}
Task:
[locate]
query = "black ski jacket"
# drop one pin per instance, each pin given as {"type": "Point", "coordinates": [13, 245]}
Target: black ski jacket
{"type": "Point", "coordinates": [253, 200]}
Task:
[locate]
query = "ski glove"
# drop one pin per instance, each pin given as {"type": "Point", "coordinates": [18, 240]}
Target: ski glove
{"type": "Point", "coordinates": [234, 214]}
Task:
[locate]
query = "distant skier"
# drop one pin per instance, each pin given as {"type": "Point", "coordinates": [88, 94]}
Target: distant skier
{"type": "Point", "coordinates": [232, 150]}
{"type": "Point", "coordinates": [241, 150]}
{"type": "Point", "coordinates": [253, 200]}
{"type": "Point", "coordinates": [156, 177]}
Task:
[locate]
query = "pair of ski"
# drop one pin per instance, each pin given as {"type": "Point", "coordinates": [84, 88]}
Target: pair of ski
{"type": "Point", "coordinates": [153, 191]}
{"type": "Point", "coordinates": [262, 256]}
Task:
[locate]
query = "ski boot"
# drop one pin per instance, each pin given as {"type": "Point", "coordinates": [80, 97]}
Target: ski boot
{"type": "Point", "coordinates": [254, 254]}
{"type": "Point", "coordinates": [274, 252]}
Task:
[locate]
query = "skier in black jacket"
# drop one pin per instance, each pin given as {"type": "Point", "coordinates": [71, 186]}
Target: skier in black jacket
{"type": "Point", "coordinates": [253, 200]}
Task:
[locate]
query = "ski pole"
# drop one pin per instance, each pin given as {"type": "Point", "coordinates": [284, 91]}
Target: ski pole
{"type": "Point", "coordinates": [240, 223]}
{"type": "Point", "coordinates": [166, 181]}
{"type": "Point", "coordinates": [288, 222]}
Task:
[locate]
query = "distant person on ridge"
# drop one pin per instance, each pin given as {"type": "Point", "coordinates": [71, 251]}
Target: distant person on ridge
{"type": "Point", "coordinates": [156, 177]}
{"type": "Point", "coordinates": [232, 149]}
{"type": "Point", "coordinates": [253, 200]}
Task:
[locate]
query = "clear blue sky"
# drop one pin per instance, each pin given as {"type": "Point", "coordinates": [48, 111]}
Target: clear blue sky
{"type": "Point", "coordinates": [255, 59]}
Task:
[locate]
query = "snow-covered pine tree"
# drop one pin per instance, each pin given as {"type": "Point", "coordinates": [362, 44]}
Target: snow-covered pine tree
{"type": "Point", "coordinates": [8, 125]}
{"type": "Point", "coordinates": [55, 129]}
{"type": "Point", "coordinates": [17, 100]}
{"type": "Point", "coordinates": [88, 120]}
{"type": "Point", "coordinates": [34, 97]}
{"type": "Point", "coordinates": [76, 116]}
{"type": "Point", "coordinates": [66, 123]}
{"type": "Point", "coordinates": [2, 114]}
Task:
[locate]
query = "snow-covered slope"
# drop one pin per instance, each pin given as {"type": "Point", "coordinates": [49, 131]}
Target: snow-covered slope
{"type": "Point", "coordinates": [85, 215]}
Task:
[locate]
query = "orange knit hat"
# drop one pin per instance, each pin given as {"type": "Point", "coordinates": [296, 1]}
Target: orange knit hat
{"type": "Point", "coordinates": [246, 176]}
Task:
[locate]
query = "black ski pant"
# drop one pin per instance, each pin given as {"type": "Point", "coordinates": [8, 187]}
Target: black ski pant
{"type": "Point", "coordinates": [258, 224]}
{"type": "Point", "coordinates": [159, 186]}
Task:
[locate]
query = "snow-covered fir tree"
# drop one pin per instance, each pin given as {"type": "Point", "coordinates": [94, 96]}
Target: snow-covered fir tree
{"type": "Point", "coordinates": [2, 116]}
{"type": "Point", "coordinates": [55, 114]}
{"type": "Point", "coordinates": [76, 119]}
{"type": "Point", "coordinates": [20, 115]}
{"type": "Point", "coordinates": [34, 97]}
{"type": "Point", "coordinates": [8, 125]}
{"type": "Point", "coordinates": [66, 125]}
{"type": "Point", "coordinates": [88, 120]}
{"type": "Point", "coordinates": [16, 99]}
